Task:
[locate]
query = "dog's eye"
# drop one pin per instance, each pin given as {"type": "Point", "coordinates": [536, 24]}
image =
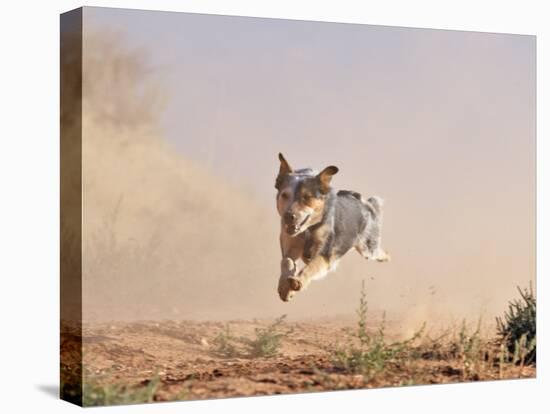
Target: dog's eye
{"type": "Point", "coordinates": [284, 196]}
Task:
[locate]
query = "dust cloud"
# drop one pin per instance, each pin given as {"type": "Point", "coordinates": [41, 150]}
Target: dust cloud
{"type": "Point", "coordinates": [162, 238]}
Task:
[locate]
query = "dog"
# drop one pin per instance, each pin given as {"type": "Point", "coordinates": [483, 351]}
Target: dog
{"type": "Point", "coordinates": [319, 225]}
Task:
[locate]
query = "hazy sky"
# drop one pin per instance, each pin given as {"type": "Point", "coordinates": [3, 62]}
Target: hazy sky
{"type": "Point", "coordinates": [443, 105]}
{"type": "Point", "coordinates": [439, 123]}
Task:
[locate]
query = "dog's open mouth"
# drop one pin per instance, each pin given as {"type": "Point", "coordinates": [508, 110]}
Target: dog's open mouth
{"type": "Point", "coordinates": [293, 229]}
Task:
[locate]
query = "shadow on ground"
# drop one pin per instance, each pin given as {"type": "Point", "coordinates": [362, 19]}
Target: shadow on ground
{"type": "Point", "coordinates": [49, 389]}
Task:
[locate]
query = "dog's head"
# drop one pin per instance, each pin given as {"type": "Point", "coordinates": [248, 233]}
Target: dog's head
{"type": "Point", "coordinates": [301, 196]}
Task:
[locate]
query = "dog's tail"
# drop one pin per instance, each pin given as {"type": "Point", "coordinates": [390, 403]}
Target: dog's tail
{"type": "Point", "coordinates": [377, 203]}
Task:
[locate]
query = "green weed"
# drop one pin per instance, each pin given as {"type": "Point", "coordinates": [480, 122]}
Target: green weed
{"type": "Point", "coordinates": [264, 344]}
{"type": "Point", "coordinates": [368, 353]}
{"type": "Point", "coordinates": [94, 394]}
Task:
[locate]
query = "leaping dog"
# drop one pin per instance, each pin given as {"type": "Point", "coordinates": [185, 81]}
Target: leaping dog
{"type": "Point", "coordinates": [320, 225]}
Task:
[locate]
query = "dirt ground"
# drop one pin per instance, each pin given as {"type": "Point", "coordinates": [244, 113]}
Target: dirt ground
{"type": "Point", "coordinates": [181, 360]}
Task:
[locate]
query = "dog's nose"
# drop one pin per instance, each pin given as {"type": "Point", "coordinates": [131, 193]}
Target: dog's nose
{"type": "Point", "coordinates": [290, 217]}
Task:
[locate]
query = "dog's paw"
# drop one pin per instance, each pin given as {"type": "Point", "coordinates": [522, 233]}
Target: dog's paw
{"type": "Point", "coordinates": [285, 293]}
{"type": "Point", "coordinates": [295, 283]}
{"type": "Point", "coordinates": [382, 256]}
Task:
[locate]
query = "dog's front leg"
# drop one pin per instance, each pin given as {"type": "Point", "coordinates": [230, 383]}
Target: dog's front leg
{"type": "Point", "coordinates": [288, 267]}
{"type": "Point", "coordinates": [288, 270]}
{"type": "Point", "coordinates": [316, 268]}
{"type": "Point", "coordinates": [291, 249]}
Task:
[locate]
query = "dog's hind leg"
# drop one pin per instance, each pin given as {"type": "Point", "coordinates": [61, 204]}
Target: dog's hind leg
{"type": "Point", "coordinates": [372, 253]}
{"type": "Point", "coordinates": [363, 250]}
{"type": "Point", "coordinates": [369, 244]}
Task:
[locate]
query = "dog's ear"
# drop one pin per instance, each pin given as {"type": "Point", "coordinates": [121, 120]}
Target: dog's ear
{"type": "Point", "coordinates": [285, 167]}
{"type": "Point", "coordinates": [325, 177]}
